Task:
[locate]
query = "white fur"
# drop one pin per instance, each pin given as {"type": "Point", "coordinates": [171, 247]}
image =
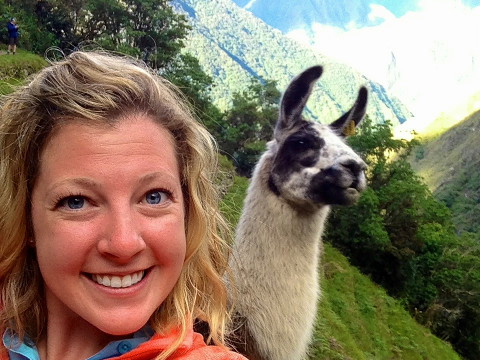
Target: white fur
{"type": "Point", "coordinates": [275, 263]}
{"type": "Point", "coordinates": [277, 251]}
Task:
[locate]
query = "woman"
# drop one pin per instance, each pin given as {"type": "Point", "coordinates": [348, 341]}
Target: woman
{"type": "Point", "coordinates": [110, 237]}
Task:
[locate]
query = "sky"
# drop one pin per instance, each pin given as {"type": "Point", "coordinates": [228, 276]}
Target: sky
{"type": "Point", "coordinates": [426, 52]}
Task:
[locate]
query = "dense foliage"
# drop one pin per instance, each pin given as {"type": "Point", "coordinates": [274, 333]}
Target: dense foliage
{"type": "Point", "coordinates": [145, 28]}
{"type": "Point", "coordinates": [405, 240]}
{"type": "Point", "coordinates": [462, 196]}
{"type": "Point", "coordinates": [32, 34]}
{"type": "Point", "coordinates": [246, 127]}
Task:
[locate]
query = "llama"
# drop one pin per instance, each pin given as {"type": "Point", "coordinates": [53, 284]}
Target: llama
{"type": "Point", "coordinates": [306, 168]}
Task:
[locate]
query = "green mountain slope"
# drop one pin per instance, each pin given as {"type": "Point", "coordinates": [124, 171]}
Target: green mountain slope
{"type": "Point", "coordinates": [357, 320]}
{"type": "Point", "coordinates": [232, 45]}
{"type": "Point", "coordinates": [450, 165]}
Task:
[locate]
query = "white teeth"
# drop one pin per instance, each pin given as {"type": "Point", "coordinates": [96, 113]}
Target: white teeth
{"type": "Point", "coordinates": [118, 281]}
{"type": "Point", "coordinates": [104, 280]}
{"type": "Point", "coordinates": [115, 282]}
{"type": "Point", "coordinates": [136, 278]}
{"type": "Point", "coordinates": [127, 281]}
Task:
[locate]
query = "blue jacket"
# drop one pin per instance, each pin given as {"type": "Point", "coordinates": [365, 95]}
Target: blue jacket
{"type": "Point", "coordinates": [12, 30]}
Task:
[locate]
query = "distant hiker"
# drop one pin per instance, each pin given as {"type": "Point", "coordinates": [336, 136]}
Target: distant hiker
{"type": "Point", "coordinates": [12, 36]}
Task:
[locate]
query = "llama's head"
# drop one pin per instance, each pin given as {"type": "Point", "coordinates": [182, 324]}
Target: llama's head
{"type": "Point", "coordinates": [312, 165]}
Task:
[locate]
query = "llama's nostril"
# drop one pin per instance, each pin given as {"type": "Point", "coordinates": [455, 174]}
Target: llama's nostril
{"type": "Point", "coordinates": [354, 166]}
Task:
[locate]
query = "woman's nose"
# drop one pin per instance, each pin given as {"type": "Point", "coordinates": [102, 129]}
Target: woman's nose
{"type": "Point", "coordinates": [122, 239]}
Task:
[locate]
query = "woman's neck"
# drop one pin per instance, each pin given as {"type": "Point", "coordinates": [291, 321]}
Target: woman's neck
{"type": "Point", "coordinates": [72, 339]}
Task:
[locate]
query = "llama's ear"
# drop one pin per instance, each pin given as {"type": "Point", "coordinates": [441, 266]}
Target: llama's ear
{"type": "Point", "coordinates": [346, 124]}
{"type": "Point", "coordinates": [295, 98]}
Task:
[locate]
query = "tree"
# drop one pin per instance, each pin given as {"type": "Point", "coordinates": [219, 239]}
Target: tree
{"type": "Point", "coordinates": [187, 74]}
{"type": "Point", "coordinates": [404, 238]}
{"type": "Point", "coordinates": [393, 232]}
{"type": "Point", "coordinates": [248, 124]}
{"type": "Point", "coordinates": [33, 37]}
{"type": "Point", "coordinates": [455, 313]}
{"type": "Point", "coordinates": [156, 30]}
{"type": "Point", "coordinates": [149, 29]}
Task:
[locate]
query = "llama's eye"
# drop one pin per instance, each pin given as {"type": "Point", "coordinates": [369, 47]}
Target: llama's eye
{"type": "Point", "coordinates": [302, 144]}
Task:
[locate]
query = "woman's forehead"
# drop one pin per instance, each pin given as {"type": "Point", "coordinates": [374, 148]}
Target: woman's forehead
{"type": "Point", "coordinates": [132, 141]}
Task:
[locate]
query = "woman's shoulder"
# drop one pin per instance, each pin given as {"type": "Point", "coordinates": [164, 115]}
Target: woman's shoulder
{"type": "Point", "coordinates": [3, 350]}
{"type": "Point", "coordinates": [193, 348]}
{"type": "Point", "coordinates": [202, 351]}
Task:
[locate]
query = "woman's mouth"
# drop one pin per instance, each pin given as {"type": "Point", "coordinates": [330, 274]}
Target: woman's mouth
{"type": "Point", "coordinates": [115, 281]}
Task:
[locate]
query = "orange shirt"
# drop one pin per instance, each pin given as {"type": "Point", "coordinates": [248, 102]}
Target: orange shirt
{"type": "Point", "coordinates": [192, 348]}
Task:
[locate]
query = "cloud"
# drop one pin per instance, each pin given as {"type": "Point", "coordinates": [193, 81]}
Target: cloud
{"type": "Point", "coordinates": [379, 12]}
{"type": "Point", "coordinates": [429, 58]}
{"type": "Point", "coordinates": [250, 4]}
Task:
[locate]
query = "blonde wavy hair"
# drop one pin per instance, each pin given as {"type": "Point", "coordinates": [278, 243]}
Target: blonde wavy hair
{"type": "Point", "coordinates": [99, 88]}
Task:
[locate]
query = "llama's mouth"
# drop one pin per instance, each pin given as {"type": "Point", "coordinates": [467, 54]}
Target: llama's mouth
{"type": "Point", "coordinates": [328, 193]}
{"type": "Point", "coordinates": [344, 195]}
{"type": "Point", "coordinates": [116, 281]}
{"type": "Point", "coordinates": [351, 195]}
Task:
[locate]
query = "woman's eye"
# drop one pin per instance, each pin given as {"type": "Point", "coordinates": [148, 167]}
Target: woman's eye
{"type": "Point", "coordinates": [73, 202]}
{"type": "Point", "coordinates": [156, 197]}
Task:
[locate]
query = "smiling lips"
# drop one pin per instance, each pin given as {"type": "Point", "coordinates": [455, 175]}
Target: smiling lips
{"type": "Point", "coordinates": [114, 281]}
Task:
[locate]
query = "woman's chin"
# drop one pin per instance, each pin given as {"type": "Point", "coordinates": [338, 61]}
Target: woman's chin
{"type": "Point", "coordinates": [120, 328]}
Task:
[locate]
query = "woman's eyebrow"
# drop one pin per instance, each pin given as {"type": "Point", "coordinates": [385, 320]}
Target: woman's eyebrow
{"type": "Point", "coordinates": [84, 182]}
{"type": "Point", "coordinates": [89, 183]}
{"type": "Point", "coordinates": [158, 175]}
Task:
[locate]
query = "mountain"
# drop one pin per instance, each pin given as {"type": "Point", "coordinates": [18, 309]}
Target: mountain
{"type": "Point", "coordinates": [420, 51]}
{"type": "Point", "coordinates": [450, 164]}
{"type": "Point", "coordinates": [233, 46]}
{"type": "Point", "coordinates": [451, 117]}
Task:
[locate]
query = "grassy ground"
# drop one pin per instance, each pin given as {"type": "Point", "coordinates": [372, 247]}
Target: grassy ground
{"type": "Point", "coordinates": [357, 320]}
{"type": "Point", "coordinates": [15, 68]}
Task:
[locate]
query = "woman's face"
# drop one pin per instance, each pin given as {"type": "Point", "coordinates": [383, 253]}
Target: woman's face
{"type": "Point", "coordinates": [108, 220]}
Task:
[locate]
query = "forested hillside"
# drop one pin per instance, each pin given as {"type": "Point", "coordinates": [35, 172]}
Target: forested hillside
{"type": "Point", "coordinates": [232, 45]}
{"type": "Point", "coordinates": [450, 165]}
{"type": "Point", "coordinates": [401, 235]}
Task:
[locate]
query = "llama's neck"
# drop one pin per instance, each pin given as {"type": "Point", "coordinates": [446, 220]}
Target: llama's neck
{"type": "Point", "coordinates": [268, 220]}
{"type": "Point", "coordinates": [275, 264]}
